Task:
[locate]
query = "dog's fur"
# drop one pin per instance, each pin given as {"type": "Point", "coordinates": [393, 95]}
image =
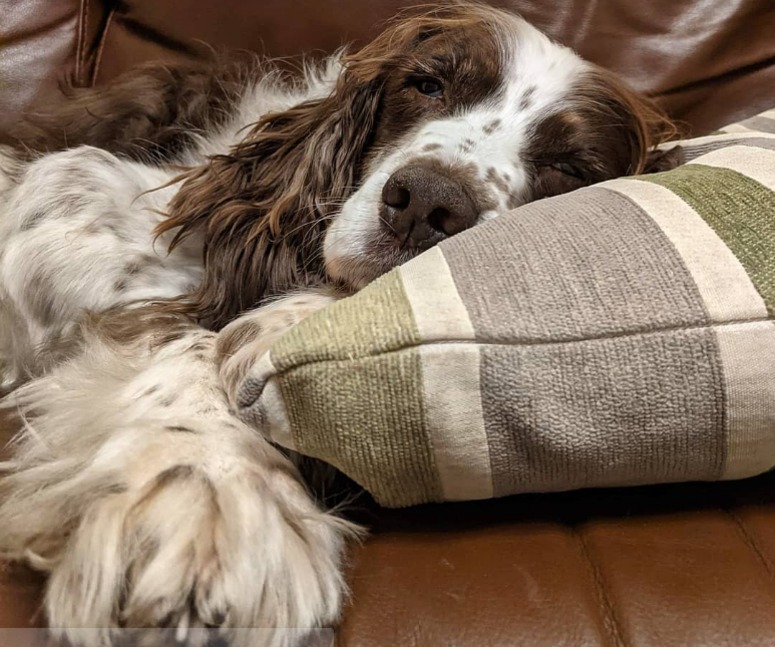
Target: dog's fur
{"type": "Point", "coordinates": [141, 222]}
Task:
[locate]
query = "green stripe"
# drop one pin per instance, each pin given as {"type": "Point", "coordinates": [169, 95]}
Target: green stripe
{"type": "Point", "coordinates": [376, 320]}
{"type": "Point", "coordinates": [351, 379]}
{"type": "Point", "coordinates": [740, 210]}
{"type": "Point", "coordinates": [367, 418]}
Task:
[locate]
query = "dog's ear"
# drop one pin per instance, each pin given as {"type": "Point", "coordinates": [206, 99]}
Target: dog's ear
{"type": "Point", "coordinates": [261, 210]}
{"type": "Point", "coordinates": [625, 127]}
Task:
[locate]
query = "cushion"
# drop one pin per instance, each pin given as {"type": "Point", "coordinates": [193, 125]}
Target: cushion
{"type": "Point", "coordinates": [622, 334]}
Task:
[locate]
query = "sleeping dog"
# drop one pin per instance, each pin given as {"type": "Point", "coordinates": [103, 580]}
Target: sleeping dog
{"type": "Point", "coordinates": [160, 233]}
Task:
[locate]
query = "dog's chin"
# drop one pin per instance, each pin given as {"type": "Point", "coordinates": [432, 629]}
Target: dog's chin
{"type": "Point", "coordinates": [373, 259]}
{"type": "Point", "coordinates": [357, 249]}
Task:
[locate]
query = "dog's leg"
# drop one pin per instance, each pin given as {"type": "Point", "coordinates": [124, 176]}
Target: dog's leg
{"type": "Point", "coordinates": [151, 505]}
{"type": "Point", "coordinates": [242, 343]}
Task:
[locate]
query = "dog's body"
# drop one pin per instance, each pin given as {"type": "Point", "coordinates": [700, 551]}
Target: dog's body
{"type": "Point", "coordinates": [134, 484]}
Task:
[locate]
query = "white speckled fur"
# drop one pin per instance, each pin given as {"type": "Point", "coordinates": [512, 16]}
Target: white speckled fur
{"type": "Point", "coordinates": [131, 472]}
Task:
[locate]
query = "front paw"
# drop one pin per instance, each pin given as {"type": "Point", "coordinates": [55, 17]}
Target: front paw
{"type": "Point", "coordinates": [242, 344]}
{"type": "Point", "coordinates": [223, 545]}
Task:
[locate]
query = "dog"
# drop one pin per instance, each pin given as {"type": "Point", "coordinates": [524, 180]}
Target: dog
{"type": "Point", "coordinates": [159, 234]}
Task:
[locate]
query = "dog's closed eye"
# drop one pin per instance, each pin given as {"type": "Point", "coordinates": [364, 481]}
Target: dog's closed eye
{"type": "Point", "coordinates": [428, 86]}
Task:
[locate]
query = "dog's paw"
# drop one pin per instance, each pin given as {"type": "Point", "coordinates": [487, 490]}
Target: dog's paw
{"type": "Point", "coordinates": [187, 539]}
{"type": "Point", "coordinates": [242, 344]}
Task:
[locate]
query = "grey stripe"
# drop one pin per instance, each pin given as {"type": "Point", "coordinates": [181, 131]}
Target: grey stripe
{"type": "Point", "coordinates": [604, 270]}
{"type": "Point", "coordinates": [765, 124]}
{"type": "Point", "coordinates": [692, 152]}
{"type": "Point", "coordinates": [588, 412]}
{"type": "Point", "coordinates": [618, 411]}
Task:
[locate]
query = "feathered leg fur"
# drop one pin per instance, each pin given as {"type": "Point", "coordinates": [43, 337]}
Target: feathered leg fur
{"type": "Point", "coordinates": [151, 505]}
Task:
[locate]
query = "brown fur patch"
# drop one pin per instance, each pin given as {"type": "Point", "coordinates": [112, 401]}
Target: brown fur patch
{"type": "Point", "coordinates": [497, 180]}
{"type": "Point", "coordinates": [231, 340]}
{"type": "Point", "coordinates": [527, 98]}
{"type": "Point", "coordinates": [153, 322]}
{"type": "Point", "coordinates": [490, 127]}
{"type": "Point", "coordinates": [467, 145]}
{"type": "Point", "coordinates": [40, 293]}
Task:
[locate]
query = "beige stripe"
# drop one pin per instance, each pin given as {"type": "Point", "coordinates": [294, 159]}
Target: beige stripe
{"type": "Point", "coordinates": [438, 310]}
{"type": "Point", "coordinates": [451, 381]}
{"type": "Point", "coordinates": [757, 163]}
{"type": "Point", "coordinates": [455, 422]}
{"type": "Point", "coordinates": [737, 128]}
{"type": "Point", "coordinates": [723, 283]}
{"type": "Point", "coordinates": [748, 357]}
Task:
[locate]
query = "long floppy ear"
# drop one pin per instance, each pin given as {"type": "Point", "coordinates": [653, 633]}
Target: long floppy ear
{"type": "Point", "coordinates": [631, 125]}
{"type": "Point", "coordinates": [261, 210]}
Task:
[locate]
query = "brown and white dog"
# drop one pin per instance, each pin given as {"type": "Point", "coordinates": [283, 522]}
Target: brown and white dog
{"type": "Point", "coordinates": [126, 289]}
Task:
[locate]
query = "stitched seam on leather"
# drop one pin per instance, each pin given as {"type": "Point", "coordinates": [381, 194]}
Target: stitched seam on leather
{"type": "Point", "coordinates": [98, 59]}
{"type": "Point", "coordinates": [610, 621]}
{"type": "Point", "coordinates": [83, 8]}
{"type": "Point", "coordinates": [749, 539]}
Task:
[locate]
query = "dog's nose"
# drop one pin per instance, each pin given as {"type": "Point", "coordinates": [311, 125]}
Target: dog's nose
{"type": "Point", "coordinates": [423, 206]}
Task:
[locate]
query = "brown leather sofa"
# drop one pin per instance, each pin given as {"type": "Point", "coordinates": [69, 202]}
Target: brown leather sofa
{"type": "Point", "coordinates": [668, 566]}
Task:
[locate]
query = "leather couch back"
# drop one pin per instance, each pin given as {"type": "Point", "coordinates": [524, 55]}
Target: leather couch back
{"type": "Point", "coordinates": [708, 61]}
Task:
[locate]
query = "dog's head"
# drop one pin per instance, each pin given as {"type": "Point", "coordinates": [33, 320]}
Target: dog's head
{"type": "Point", "coordinates": [445, 120]}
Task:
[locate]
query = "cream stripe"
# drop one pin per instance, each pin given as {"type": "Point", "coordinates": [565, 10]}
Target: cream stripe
{"type": "Point", "coordinates": [737, 128]}
{"type": "Point", "coordinates": [455, 420]}
{"type": "Point", "coordinates": [437, 307]}
{"type": "Point", "coordinates": [451, 383]}
{"type": "Point", "coordinates": [757, 163]}
{"type": "Point", "coordinates": [748, 357]}
{"type": "Point", "coordinates": [722, 281]}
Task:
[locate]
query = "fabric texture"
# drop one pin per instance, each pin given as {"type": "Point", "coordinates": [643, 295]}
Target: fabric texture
{"type": "Point", "coordinates": [619, 335]}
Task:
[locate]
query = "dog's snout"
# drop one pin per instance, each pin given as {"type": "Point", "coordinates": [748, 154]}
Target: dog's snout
{"type": "Point", "coordinates": [424, 205]}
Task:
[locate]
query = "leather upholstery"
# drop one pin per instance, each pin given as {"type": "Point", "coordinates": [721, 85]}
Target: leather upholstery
{"type": "Point", "coordinates": [665, 566]}
{"type": "Point", "coordinates": [43, 44]}
{"type": "Point", "coordinates": [678, 566]}
{"type": "Point", "coordinates": [709, 61]}
{"type": "Point", "coordinates": [669, 566]}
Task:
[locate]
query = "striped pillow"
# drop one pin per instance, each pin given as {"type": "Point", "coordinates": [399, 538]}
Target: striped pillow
{"type": "Point", "coordinates": [619, 335]}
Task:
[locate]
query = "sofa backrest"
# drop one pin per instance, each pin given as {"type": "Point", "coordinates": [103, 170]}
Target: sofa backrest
{"type": "Point", "coordinates": [709, 62]}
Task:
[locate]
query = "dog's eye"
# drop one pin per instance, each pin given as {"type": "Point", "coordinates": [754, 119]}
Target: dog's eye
{"type": "Point", "coordinates": [429, 87]}
{"type": "Point", "coordinates": [567, 169]}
